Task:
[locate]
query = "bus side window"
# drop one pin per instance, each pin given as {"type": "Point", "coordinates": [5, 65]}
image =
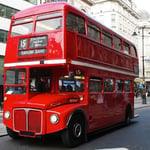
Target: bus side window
{"type": "Point", "coordinates": [75, 23]}
{"type": "Point", "coordinates": [117, 43]}
{"type": "Point", "coordinates": [119, 85]}
{"type": "Point", "coordinates": [126, 48]}
{"type": "Point", "coordinates": [95, 84]}
{"type": "Point", "coordinates": [107, 38]}
{"type": "Point", "coordinates": [127, 86]}
{"type": "Point", "coordinates": [109, 85]}
{"type": "Point", "coordinates": [93, 31]}
{"type": "Point", "coordinates": [133, 51]}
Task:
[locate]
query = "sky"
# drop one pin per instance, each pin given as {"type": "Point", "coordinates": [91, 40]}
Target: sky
{"type": "Point", "coordinates": [143, 4]}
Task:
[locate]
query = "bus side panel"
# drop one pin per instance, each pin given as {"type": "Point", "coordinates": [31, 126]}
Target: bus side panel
{"type": "Point", "coordinates": [71, 45]}
{"type": "Point", "coordinates": [97, 52]}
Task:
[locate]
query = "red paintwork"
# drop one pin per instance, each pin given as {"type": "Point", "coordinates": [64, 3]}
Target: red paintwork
{"type": "Point", "coordinates": [101, 109]}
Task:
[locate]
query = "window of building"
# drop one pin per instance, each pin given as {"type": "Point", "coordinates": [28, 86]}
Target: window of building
{"type": "Point", "coordinates": [127, 86]}
{"type": "Point", "coordinates": [119, 86]}
{"type": "Point", "coordinates": [3, 36]}
{"type": "Point", "coordinates": [1, 66]}
{"type": "Point", "coordinates": [95, 84]}
{"type": "Point", "coordinates": [32, 1]}
{"type": "Point", "coordinates": [107, 38]}
{"type": "Point", "coordinates": [93, 31]}
{"type": "Point", "coordinates": [7, 12]}
{"type": "Point", "coordinates": [75, 23]}
{"type": "Point", "coordinates": [113, 18]}
{"type": "Point", "coordinates": [109, 85]}
{"type": "Point", "coordinates": [117, 43]}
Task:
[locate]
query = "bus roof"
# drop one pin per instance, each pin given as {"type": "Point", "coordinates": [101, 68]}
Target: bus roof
{"type": "Point", "coordinates": [43, 8]}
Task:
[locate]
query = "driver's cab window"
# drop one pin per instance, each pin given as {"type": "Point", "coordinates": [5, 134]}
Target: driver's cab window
{"type": "Point", "coordinates": [39, 80]}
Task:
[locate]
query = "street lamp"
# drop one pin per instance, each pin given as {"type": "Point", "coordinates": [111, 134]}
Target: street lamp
{"type": "Point", "coordinates": [143, 65]}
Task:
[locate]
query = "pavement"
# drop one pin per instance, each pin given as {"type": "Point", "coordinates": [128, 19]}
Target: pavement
{"type": "Point", "coordinates": [138, 104]}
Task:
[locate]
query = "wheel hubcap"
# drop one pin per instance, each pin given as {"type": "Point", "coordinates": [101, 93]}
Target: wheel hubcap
{"type": "Point", "coordinates": [77, 130]}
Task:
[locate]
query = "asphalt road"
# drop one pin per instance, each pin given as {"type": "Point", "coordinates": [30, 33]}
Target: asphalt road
{"type": "Point", "coordinates": [133, 137]}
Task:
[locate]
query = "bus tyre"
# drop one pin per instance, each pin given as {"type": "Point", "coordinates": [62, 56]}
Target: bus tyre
{"type": "Point", "coordinates": [128, 116]}
{"type": "Point", "coordinates": [75, 132]}
{"type": "Point", "coordinates": [12, 134]}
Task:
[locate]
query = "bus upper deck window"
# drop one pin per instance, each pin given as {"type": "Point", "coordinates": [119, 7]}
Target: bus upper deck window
{"type": "Point", "coordinates": [22, 27]}
{"type": "Point", "coordinates": [75, 23]}
{"type": "Point", "coordinates": [48, 22]}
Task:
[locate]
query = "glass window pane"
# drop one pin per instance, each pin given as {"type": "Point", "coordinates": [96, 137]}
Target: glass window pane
{"type": "Point", "coordinates": [2, 10]}
{"type": "Point", "coordinates": [49, 16]}
{"type": "Point", "coordinates": [109, 85]}
{"type": "Point", "coordinates": [48, 25]}
{"type": "Point", "coordinates": [133, 53]}
{"type": "Point", "coordinates": [127, 86]}
{"type": "Point", "coordinates": [119, 85]}
{"type": "Point", "coordinates": [32, 1]}
{"type": "Point", "coordinates": [117, 43]}
{"type": "Point", "coordinates": [3, 36]}
{"type": "Point", "coordinates": [15, 90]}
{"type": "Point", "coordinates": [93, 31]}
{"type": "Point", "coordinates": [15, 76]}
{"type": "Point", "coordinates": [95, 85]}
{"type": "Point", "coordinates": [107, 38]}
{"type": "Point", "coordinates": [126, 48]}
{"type": "Point", "coordinates": [22, 29]}
{"type": "Point", "coordinates": [40, 80]}
{"type": "Point", "coordinates": [25, 20]}
{"type": "Point", "coordinates": [73, 84]}
{"type": "Point", "coordinates": [7, 12]}
{"type": "Point", "coordinates": [1, 65]}
{"type": "Point", "coordinates": [75, 23]}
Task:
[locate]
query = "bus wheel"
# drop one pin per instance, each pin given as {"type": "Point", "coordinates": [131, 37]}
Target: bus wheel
{"type": "Point", "coordinates": [128, 116]}
{"type": "Point", "coordinates": [75, 133]}
{"type": "Point", "coordinates": [12, 134]}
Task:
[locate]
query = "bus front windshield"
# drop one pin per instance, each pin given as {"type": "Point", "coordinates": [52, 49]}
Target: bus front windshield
{"type": "Point", "coordinates": [16, 81]}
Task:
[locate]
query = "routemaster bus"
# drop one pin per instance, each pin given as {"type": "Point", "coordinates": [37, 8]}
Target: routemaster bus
{"type": "Point", "coordinates": [66, 73]}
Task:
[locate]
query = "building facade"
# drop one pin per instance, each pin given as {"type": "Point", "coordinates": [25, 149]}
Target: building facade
{"type": "Point", "coordinates": [119, 15]}
{"type": "Point", "coordinates": [143, 38]}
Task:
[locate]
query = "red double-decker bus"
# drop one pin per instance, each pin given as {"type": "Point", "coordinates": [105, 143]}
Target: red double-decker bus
{"type": "Point", "coordinates": [66, 73]}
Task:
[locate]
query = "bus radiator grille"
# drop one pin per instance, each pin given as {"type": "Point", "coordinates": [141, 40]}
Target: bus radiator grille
{"type": "Point", "coordinates": [29, 120]}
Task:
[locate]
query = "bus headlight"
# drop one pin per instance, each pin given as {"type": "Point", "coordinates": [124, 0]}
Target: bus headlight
{"type": "Point", "coordinates": [54, 119]}
{"type": "Point", "coordinates": [7, 115]}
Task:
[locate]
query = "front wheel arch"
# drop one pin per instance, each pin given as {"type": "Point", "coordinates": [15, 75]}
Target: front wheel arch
{"type": "Point", "coordinates": [76, 130]}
